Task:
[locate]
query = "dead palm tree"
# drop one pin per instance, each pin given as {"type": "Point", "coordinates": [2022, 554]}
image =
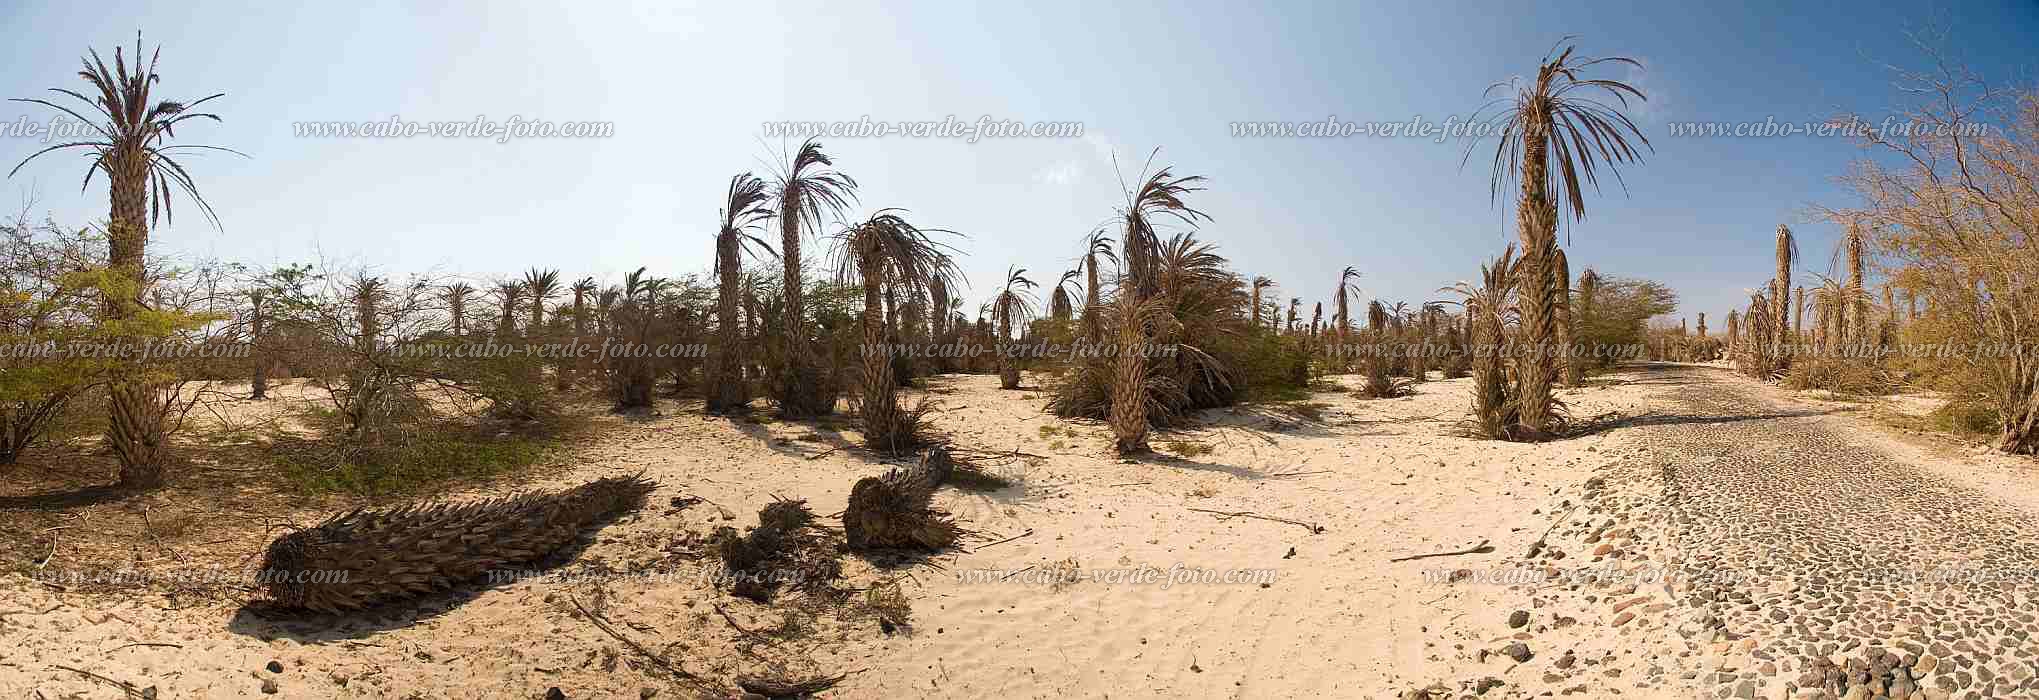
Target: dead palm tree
{"type": "Point", "coordinates": [1294, 304]}
{"type": "Point", "coordinates": [1013, 307]}
{"type": "Point", "coordinates": [807, 187]}
{"type": "Point", "coordinates": [1558, 138]}
{"type": "Point", "coordinates": [128, 145]}
{"type": "Point", "coordinates": [745, 208]}
{"type": "Point", "coordinates": [886, 247]}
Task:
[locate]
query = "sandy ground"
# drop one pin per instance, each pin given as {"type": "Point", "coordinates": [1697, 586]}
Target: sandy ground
{"type": "Point", "coordinates": [1091, 577]}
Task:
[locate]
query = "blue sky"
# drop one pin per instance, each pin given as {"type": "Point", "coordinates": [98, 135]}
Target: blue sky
{"type": "Point", "coordinates": [687, 87]}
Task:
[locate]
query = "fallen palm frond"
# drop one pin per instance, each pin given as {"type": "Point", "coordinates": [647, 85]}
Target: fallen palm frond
{"type": "Point", "coordinates": [367, 557]}
{"type": "Point", "coordinates": [787, 546]}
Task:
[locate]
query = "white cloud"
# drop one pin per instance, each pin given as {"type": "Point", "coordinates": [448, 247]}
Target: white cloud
{"type": "Point", "coordinates": [1061, 173]}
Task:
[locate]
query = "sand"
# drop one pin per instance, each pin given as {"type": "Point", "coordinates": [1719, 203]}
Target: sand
{"type": "Point", "coordinates": [1107, 578]}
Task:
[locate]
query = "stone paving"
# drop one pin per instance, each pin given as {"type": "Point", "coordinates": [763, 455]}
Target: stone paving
{"type": "Point", "coordinates": [1842, 571]}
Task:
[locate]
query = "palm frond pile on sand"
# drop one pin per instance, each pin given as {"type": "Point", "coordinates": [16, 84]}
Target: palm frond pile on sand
{"type": "Point", "coordinates": [786, 547]}
{"type": "Point", "coordinates": [366, 557]}
{"type": "Point", "coordinates": [896, 511]}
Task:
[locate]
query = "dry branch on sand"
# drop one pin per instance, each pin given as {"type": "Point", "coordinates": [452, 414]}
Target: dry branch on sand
{"type": "Point", "coordinates": [366, 557]}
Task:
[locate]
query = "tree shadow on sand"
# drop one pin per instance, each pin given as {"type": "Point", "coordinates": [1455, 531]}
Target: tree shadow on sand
{"type": "Point", "coordinates": [1611, 422]}
{"type": "Point", "coordinates": [70, 498]}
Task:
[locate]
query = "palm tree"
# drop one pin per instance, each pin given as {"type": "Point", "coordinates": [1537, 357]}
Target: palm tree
{"type": "Point", "coordinates": [745, 209]}
{"type": "Point", "coordinates": [886, 247]}
{"type": "Point", "coordinates": [457, 294]}
{"type": "Point", "coordinates": [1347, 286]}
{"type": "Point", "coordinates": [938, 300]}
{"type": "Point", "coordinates": [128, 145]}
{"type": "Point", "coordinates": [1013, 307]}
{"type": "Point", "coordinates": [1061, 304]}
{"type": "Point", "coordinates": [542, 286]}
{"type": "Point", "coordinates": [1487, 306]}
{"type": "Point", "coordinates": [1853, 243]}
{"type": "Point", "coordinates": [1568, 327]}
{"type": "Point", "coordinates": [1096, 247]}
{"type": "Point", "coordinates": [258, 384]}
{"type": "Point", "coordinates": [509, 294]}
{"type": "Point", "coordinates": [807, 187]}
{"type": "Point", "coordinates": [1160, 196]}
{"type": "Point", "coordinates": [632, 371]}
{"type": "Point", "coordinates": [582, 290]}
{"type": "Point", "coordinates": [1260, 284]}
{"type": "Point", "coordinates": [1294, 304]}
{"type": "Point", "coordinates": [1543, 124]}
{"type": "Point", "coordinates": [1780, 293]}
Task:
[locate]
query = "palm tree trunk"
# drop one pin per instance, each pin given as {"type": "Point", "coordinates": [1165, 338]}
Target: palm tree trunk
{"type": "Point", "coordinates": [258, 384]}
{"type": "Point", "coordinates": [1568, 326]}
{"type": "Point", "coordinates": [137, 408]}
{"type": "Point", "coordinates": [1008, 372]}
{"type": "Point", "coordinates": [799, 390]}
{"type": "Point", "coordinates": [882, 427]}
{"type": "Point", "coordinates": [725, 382]}
{"type": "Point", "coordinates": [1129, 382]}
{"type": "Point", "coordinates": [1093, 322]}
{"type": "Point", "coordinates": [1536, 218]}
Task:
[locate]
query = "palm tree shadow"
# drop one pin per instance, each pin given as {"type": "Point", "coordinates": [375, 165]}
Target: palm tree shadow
{"type": "Point", "coordinates": [1611, 422]}
{"type": "Point", "coordinates": [1193, 465]}
{"type": "Point", "coordinates": [821, 432]}
{"type": "Point", "coordinates": [74, 498]}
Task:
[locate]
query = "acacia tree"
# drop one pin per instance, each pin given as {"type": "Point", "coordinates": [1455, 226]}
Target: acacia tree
{"type": "Point", "coordinates": [807, 187]}
{"type": "Point", "coordinates": [1551, 137]}
{"type": "Point", "coordinates": [1953, 209]}
{"type": "Point", "coordinates": [128, 146]}
{"type": "Point", "coordinates": [744, 210]}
